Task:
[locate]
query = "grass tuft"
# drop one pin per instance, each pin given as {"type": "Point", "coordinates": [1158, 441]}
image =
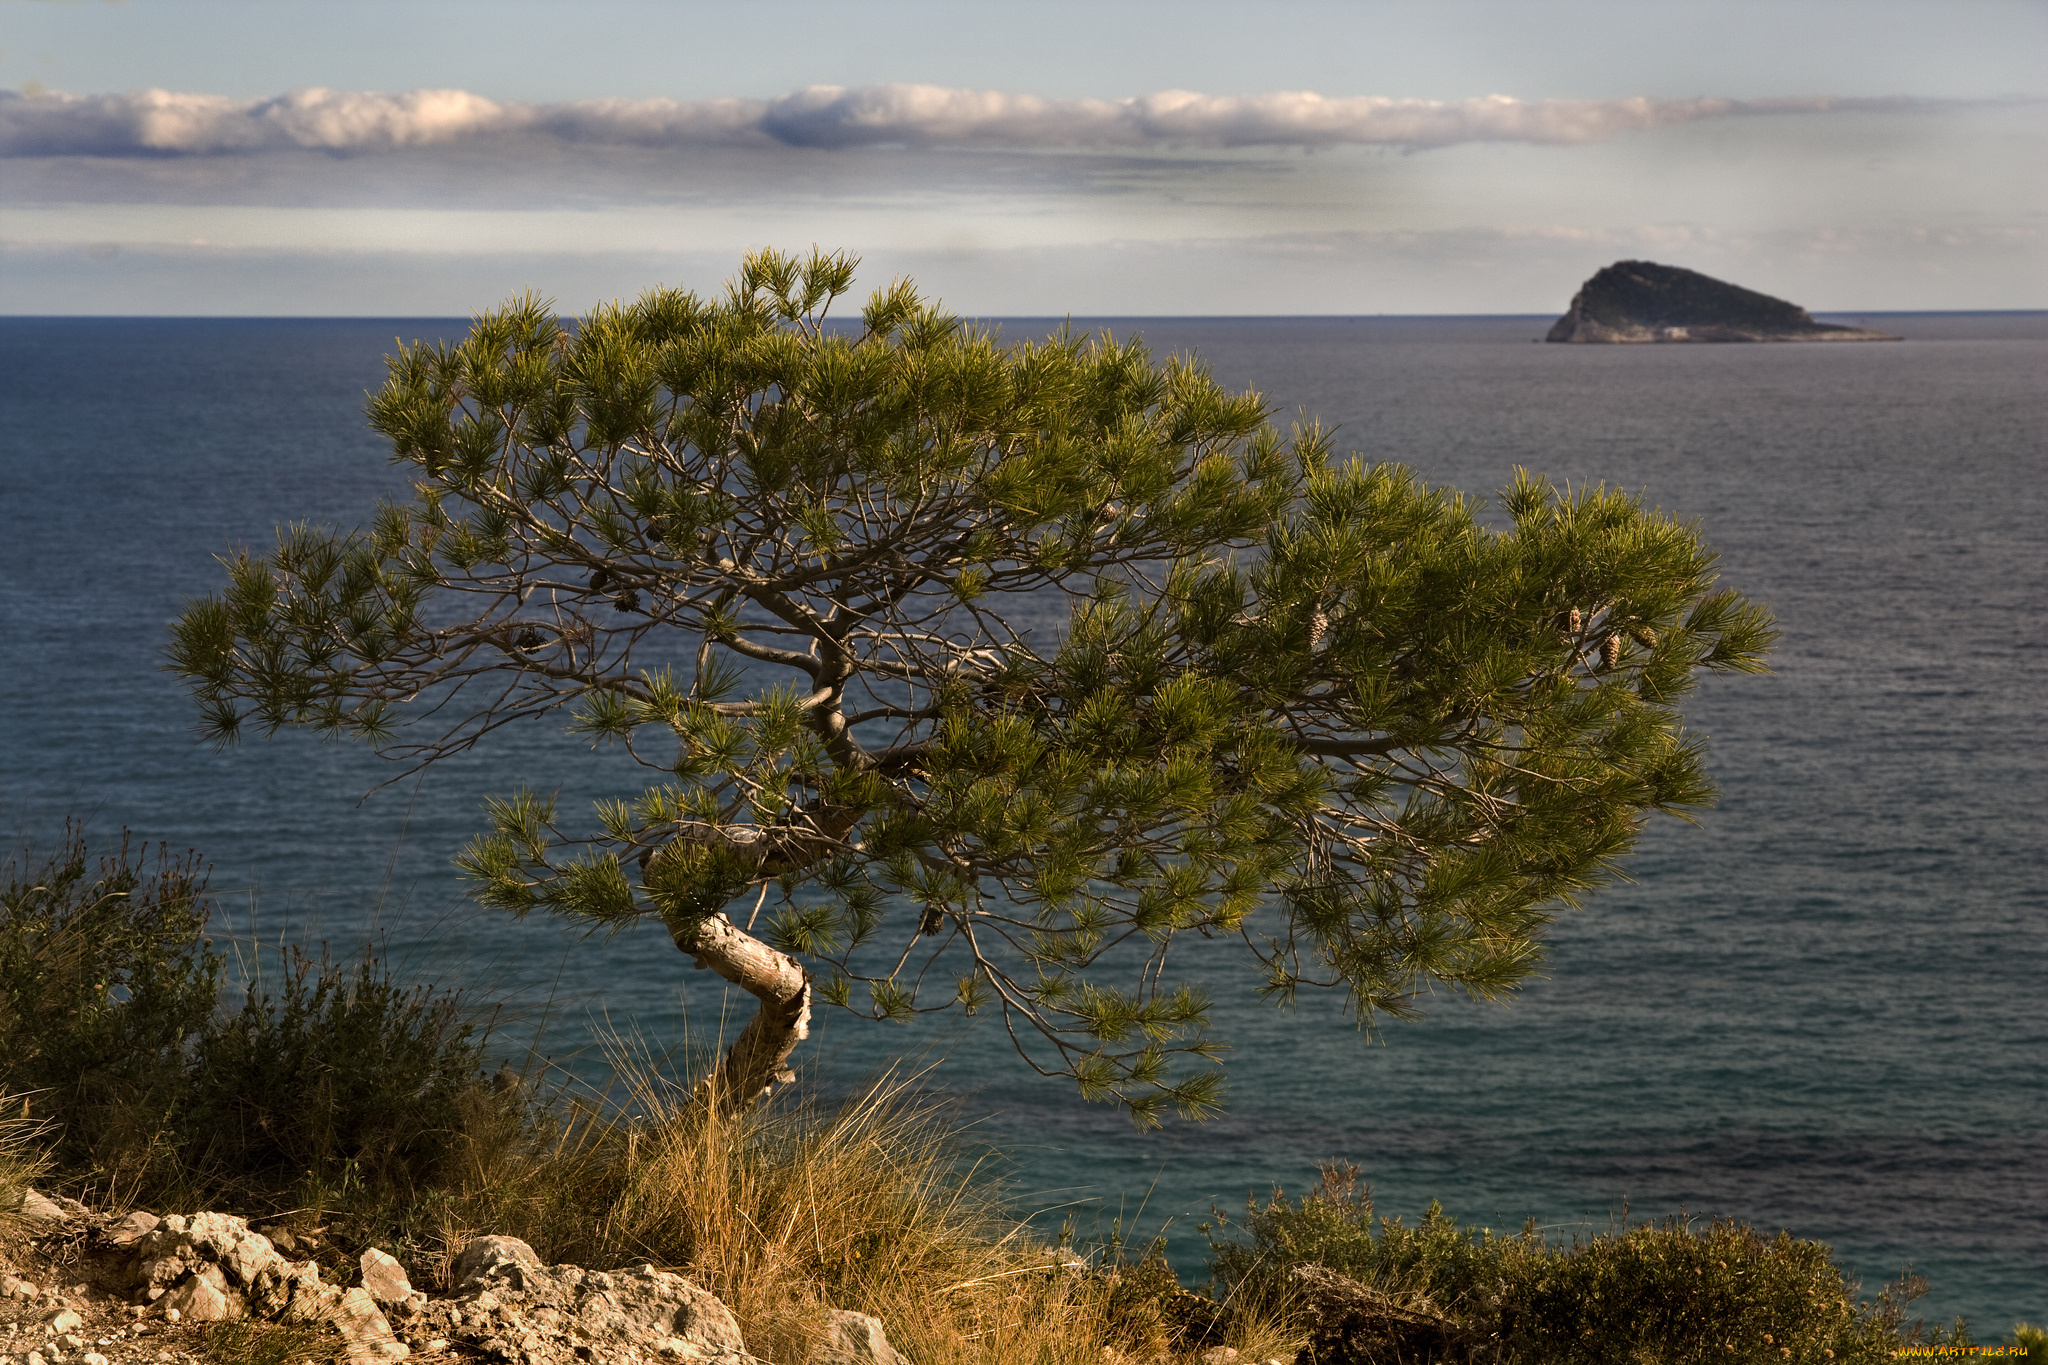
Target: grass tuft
{"type": "Point", "coordinates": [22, 1163]}
{"type": "Point", "coordinates": [876, 1203]}
{"type": "Point", "coordinates": [248, 1342]}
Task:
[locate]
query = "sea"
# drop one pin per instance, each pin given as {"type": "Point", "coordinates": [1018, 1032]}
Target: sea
{"type": "Point", "coordinates": [1820, 1007]}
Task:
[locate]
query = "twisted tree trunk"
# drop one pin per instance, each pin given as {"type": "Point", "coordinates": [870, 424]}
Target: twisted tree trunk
{"type": "Point", "coordinates": [758, 1060]}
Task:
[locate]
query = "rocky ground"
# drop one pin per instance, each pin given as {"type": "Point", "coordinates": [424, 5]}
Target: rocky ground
{"type": "Point", "coordinates": [48, 1326]}
{"type": "Point", "coordinates": [101, 1289]}
{"type": "Point", "coordinates": [95, 1288]}
{"type": "Point", "coordinates": [47, 1318]}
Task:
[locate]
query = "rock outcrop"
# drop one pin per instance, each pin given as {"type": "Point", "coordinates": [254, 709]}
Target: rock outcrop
{"type": "Point", "coordinates": [137, 1283]}
{"type": "Point", "coordinates": [1641, 301]}
{"type": "Point", "coordinates": [209, 1267]}
{"type": "Point", "coordinates": [512, 1309]}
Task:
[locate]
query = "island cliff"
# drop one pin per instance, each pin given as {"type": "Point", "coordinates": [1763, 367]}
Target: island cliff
{"type": "Point", "coordinates": [1641, 301]}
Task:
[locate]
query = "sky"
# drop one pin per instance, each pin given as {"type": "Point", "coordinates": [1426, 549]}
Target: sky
{"type": "Point", "coordinates": [1110, 158]}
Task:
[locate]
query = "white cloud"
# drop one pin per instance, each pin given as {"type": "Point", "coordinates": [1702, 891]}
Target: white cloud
{"type": "Point", "coordinates": [159, 122]}
{"type": "Point", "coordinates": [162, 123]}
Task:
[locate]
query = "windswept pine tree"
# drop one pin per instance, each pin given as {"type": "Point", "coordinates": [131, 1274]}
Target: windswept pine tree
{"type": "Point", "coordinates": [971, 676]}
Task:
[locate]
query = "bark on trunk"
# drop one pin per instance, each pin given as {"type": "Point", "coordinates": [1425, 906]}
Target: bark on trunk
{"type": "Point", "coordinates": [758, 1060]}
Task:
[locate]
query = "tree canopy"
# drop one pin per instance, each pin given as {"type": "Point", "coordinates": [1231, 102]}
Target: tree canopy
{"type": "Point", "coordinates": [971, 675]}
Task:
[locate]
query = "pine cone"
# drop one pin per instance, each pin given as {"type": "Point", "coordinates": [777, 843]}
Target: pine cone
{"type": "Point", "coordinates": [1645, 637]}
{"type": "Point", "coordinates": [1576, 621]}
{"type": "Point", "coordinates": [629, 600]}
{"type": "Point", "coordinates": [600, 580]}
{"type": "Point", "coordinates": [529, 639]}
{"type": "Point", "coordinates": [1610, 652]}
{"type": "Point", "coordinates": [1318, 628]}
{"type": "Point", "coordinates": [934, 919]}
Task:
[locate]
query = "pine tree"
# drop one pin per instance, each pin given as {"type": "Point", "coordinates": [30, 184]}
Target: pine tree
{"type": "Point", "coordinates": [996, 667]}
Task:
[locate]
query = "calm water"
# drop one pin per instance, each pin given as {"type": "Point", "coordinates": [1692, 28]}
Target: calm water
{"type": "Point", "coordinates": [1820, 1009]}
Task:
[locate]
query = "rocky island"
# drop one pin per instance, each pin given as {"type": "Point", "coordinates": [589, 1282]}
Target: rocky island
{"type": "Point", "coordinates": [1641, 301]}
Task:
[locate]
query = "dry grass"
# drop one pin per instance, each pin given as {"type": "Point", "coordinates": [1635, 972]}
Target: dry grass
{"type": "Point", "coordinates": [21, 1163]}
{"type": "Point", "coordinates": [248, 1342]}
{"type": "Point", "coordinates": [876, 1203]}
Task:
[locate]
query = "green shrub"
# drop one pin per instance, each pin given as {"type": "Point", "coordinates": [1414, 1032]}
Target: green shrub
{"type": "Point", "coordinates": [339, 1091]}
{"type": "Point", "coordinates": [1459, 1271]}
{"type": "Point", "coordinates": [104, 980]}
{"type": "Point", "coordinates": [1679, 1293]}
{"type": "Point", "coordinates": [1147, 1310]}
{"type": "Point", "coordinates": [1665, 1293]}
{"type": "Point", "coordinates": [340, 1074]}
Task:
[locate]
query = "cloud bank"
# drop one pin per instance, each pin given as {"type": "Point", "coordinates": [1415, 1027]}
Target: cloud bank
{"type": "Point", "coordinates": [160, 123]}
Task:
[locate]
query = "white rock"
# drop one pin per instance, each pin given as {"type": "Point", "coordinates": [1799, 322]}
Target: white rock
{"type": "Point", "coordinates": [563, 1315]}
{"type": "Point", "coordinates": [204, 1296]}
{"type": "Point", "coordinates": [364, 1332]}
{"type": "Point", "coordinates": [40, 1210]}
{"type": "Point", "coordinates": [385, 1278]}
{"type": "Point", "coordinates": [62, 1319]}
{"type": "Point", "coordinates": [132, 1228]}
{"type": "Point", "coordinates": [854, 1339]}
{"type": "Point", "coordinates": [485, 1255]}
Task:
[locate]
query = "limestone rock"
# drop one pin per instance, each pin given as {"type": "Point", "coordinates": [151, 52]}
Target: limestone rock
{"type": "Point", "coordinates": [385, 1278]}
{"type": "Point", "coordinates": [484, 1255]}
{"type": "Point", "coordinates": [204, 1296]}
{"type": "Point", "coordinates": [61, 1320]}
{"type": "Point", "coordinates": [210, 1266]}
{"type": "Point", "coordinates": [42, 1211]}
{"type": "Point", "coordinates": [125, 1232]}
{"type": "Point", "coordinates": [854, 1339]}
{"type": "Point", "coordinates": [520, 1311]}
{"type": "Point", "coordinates": [1642, 301]}
{"type": "Point", "coordinates": [366, 1335]}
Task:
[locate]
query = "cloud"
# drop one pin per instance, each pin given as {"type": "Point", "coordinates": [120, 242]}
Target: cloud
{"type": "Point", "coordinates": [160, 123]}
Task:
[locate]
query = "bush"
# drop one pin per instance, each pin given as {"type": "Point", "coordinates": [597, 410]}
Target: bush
{"type": "Point", "coordinates": [1149, 1310]}
{"type": "Point", "coordinates": [1665, 1293]}
{"type": "Point", "coordinates": [104, 980]}
{"type": "Point", "coordinates": [1674, 1292]}
{"type": "Point", "coordinates": [342, 1077]}
{"type": "Point", "coordinates": [340, 1092]}
{"type": "Point", "coordinates": [1454, 1271]}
